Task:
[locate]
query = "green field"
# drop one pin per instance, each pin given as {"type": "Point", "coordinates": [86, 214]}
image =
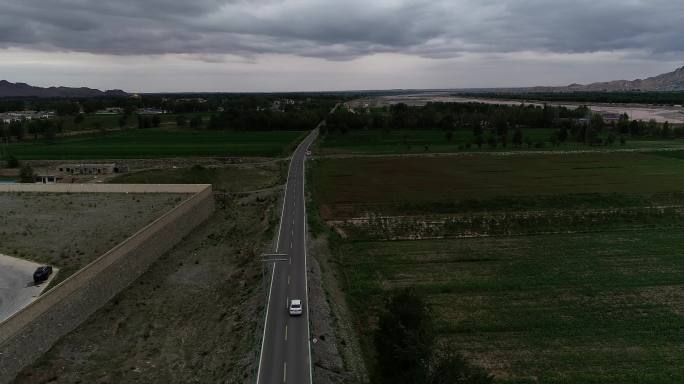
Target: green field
{"type": "Point", "coordinates": [573, 308]}
{"type": "Point", "coordinates": [158, 142]}
{"type": "Point", "coordinates": [226, 179]}
{"type": "Point", "coordinates": [400, 142]}
{"type": "Point", "coordinates": [400, 185]}
{"type": "Point", "coordinates": [541, 268]}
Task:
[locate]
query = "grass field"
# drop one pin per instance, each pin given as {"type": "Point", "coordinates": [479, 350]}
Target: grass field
{"type": "Point", "coordinates": [572, 308]}
{"type": "Point", "coordinates": [400, 185]}
{"type": "Point", "coordinates": [543, 269]}
{"type": "Point", "coordinates": [69, 231]}
{"type": "Point", "coordinates": [193, 317]}
{"type": "Point", "coordinates": [228, 179]}
{"type": "Point", "coordinates": [155, 143]}
{"type": "Point", "coordinates": [401, 142]}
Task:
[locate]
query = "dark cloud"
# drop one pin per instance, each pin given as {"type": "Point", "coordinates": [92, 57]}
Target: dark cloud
{"type": "Point", "coordinates": [341, 30]}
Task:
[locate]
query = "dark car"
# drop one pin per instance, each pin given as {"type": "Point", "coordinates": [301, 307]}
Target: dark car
{"type": "Point", "coordinates": [41, 274]}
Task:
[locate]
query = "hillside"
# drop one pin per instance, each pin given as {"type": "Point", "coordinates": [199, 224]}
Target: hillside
{"type": "Point", "coordinates": [8, 89]}
{"type": "Point", "coordinates": [672, 81]}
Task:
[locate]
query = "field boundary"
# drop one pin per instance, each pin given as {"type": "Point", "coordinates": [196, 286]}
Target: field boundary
{"type": "Point", "coordinates": [29, 333]}
{"type": "Point", "coordinates": [105, 188]}
{"type": "Point", "coordinates": [496, 152]}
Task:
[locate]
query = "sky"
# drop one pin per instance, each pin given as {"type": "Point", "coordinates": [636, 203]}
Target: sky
{"type": "Point", "coordinates": [327, 45]}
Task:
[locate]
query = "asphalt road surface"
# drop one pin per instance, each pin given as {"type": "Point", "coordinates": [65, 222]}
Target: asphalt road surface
{"type": "Point", "coordinates": [285, 350]}
{"type": "Point", "coordinates": [16, 285]}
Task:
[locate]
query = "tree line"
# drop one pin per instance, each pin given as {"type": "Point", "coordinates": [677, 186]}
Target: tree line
{"type": "Point", "coordinates": [172, 103]}
{"type": "Point", "coordinates": [20, 129]}
{"type": "Point", "coordinates": [495, 125]}
{"type": "Point", "coordinates": [450, 116]}
{"type": "Point", "coordinates": [252, 120]}
{"type": "Point", "coordinates": [662, 98]}
{"type": "Point", "coordinates": [250, 113]}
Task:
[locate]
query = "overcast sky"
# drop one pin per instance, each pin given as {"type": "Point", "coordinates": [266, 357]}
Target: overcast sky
{"type": "Point", "coordinates": [291, 45]}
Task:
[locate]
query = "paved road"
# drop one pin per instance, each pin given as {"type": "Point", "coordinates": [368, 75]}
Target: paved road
{"type": "Point", "coordinates": [16, 285]}
{"type": "Point", "coordinates": [285, 350]}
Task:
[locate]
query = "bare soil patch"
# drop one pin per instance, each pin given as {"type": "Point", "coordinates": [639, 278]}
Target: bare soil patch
{"type": "Point", "coordinates": [190, 319]}
{"type": "Point", "coordinates": [71, 230]}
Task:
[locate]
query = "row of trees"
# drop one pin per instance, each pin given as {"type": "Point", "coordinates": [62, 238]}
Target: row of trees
{"type": "Point", "coordinates": [407, 351]}
{"type": "Point", "coordinates": [26, 173]}
{"type": "Point", "coordinates": [252, 120]}
{"type": "Point", "coordinates": [451, 116]}
{"type": "Point", "coordinates": [18, 130]}
{"type": "Point", "coordinates": [177, 103]}
{"type": "Point", "coordinates": [257, 120]}
{"type": "Point", "coordinates": [497, 123]}
{"type": "Point", "coordinates": [668, 98]}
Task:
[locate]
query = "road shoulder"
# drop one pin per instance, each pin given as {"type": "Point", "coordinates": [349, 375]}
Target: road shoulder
{"type": "Point", "coordinates": [336, 353]}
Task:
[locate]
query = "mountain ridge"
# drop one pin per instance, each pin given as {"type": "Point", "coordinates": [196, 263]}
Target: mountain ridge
{"type": "Point", "coordinates": [8, 89]}
{"type": "Point", "coordinates": [670, 81]}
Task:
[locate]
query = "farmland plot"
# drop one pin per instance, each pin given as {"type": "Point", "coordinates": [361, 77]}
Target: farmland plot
{"type": "Point", "coordinates": [555, 269]}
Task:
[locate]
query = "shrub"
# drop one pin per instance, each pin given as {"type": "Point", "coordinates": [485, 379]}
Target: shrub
{"type": "Point", "coordinates": [404, 339]}
{"type": "Point", "coordinates": [12, 162]}
{"type": "Point", "coordinates": [26, 174]}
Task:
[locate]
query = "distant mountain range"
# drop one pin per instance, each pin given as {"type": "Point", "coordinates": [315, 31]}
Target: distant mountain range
{"type": "Point", "coordinates": [8, 89]}
{"type": "Point", "coordinates": [672, 81]}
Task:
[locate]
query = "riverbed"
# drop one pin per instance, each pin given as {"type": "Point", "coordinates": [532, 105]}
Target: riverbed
{"type": "Point", "coordinates": [661, 114]}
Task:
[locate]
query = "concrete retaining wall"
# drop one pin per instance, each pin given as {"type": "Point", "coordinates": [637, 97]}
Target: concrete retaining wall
{"type": "Point", "coordinates": [104, 188]}
{"type": "Point", "coordinates": [32, 331]}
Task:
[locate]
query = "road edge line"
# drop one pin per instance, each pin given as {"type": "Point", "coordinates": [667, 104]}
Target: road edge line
{"type": "Point", "coordinates": [263, 336]}
{"type": "Point", "coordinates": [270, 288]}
{"type": "Point", "coordinates": [306, 270]}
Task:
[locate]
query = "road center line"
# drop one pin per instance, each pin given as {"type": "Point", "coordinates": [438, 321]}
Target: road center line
{"type": "Point", "coordinates": [285, 332]}
{"type": "Point", "coordinates": [284, 371]}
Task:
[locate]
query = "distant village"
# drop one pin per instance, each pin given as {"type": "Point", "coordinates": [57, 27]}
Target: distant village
{"type": "Point", "coordinates": [27, 115]}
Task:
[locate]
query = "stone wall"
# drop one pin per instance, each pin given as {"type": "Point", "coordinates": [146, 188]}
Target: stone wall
{"type": "Point", "coordinates": [29, 333]}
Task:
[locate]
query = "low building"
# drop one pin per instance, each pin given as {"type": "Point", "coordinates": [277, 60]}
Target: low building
{"type": "Point", "coordinates": [609, 117]}
{"type": "Point", "coordinates": [110, 111]}
{"type": "Point", "coordinates": [9, 117]}
{"type": "Point", "coordinates": [192, 100]}
{"type": "Point", "coordinates": [151, 111]}
{"type": "Point", "coordinates": [92, 169]}
{"type": "Point", "coordinates": [46, 179]}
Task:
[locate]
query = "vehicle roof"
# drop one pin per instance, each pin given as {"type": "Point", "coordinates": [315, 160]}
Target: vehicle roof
{"type": "Point", "coordinates": [295, 302]}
